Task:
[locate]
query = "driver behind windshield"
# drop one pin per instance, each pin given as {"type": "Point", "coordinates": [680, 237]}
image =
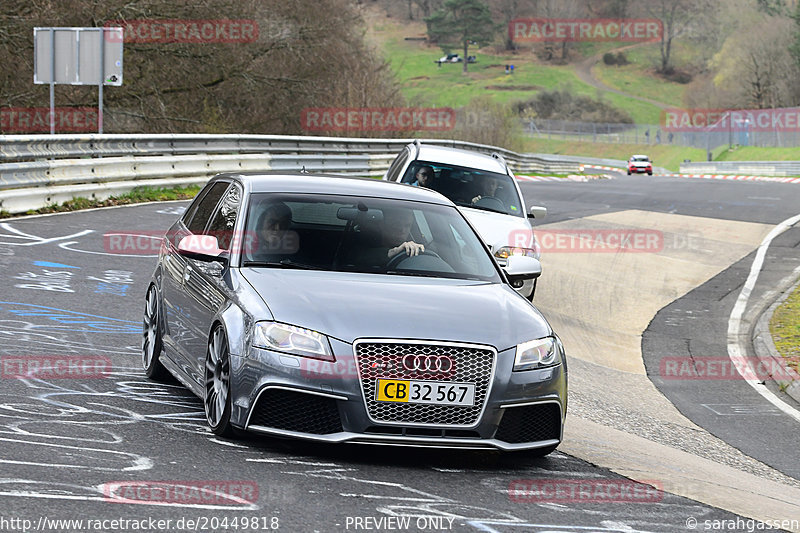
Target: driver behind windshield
{"type": "Point", "coordinates": [488, 188]}
{"type": "Point", "coordinates": [395, 239]}
{"type": "Point", "coordinates": [397, 225]}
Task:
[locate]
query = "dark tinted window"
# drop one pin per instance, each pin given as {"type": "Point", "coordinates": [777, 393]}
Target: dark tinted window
{"type": "Point", "coordinates": [206, 206]}
{"type": "Point", "coordinates": [224, 220]}
{"type": "Point", "coordinates": [361, 234]}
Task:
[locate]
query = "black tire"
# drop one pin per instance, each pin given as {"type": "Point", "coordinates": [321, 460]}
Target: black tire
{"type": "Point", "coordinates": [151, 337]}
{"type": "Point", "coordinates": [649, 173]}
{"type": "Point", "coordinates": [629, 173]}
{"type": "Point", "coordinates": [217, 384]}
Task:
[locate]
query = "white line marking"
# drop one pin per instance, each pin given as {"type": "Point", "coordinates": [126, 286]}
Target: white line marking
{"type": "Point", "coordinates": [736, 349]}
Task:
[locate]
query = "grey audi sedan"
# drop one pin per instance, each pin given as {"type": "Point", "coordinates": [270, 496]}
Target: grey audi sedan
{"type": "Point", "coordinates": [351, 310]}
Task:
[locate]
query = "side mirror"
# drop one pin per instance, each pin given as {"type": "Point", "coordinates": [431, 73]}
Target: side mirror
{"type": "Point", "coordinates": [521, 268]}
{"type": "Point", "coordinates": [202, 248]}
{"type": "Point", "coordinates": [537, 211]}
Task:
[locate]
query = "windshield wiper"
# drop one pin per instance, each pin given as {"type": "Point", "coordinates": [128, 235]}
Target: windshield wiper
{"type": "Point", "coordinates": [286, 263]}
{"type": "Point", "coordinates": [483, 208]}
{"type": "Point", "coordinates": [417, 273]}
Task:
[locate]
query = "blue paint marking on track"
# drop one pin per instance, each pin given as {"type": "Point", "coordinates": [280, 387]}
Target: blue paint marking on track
{"type": "Point", "coordinates": [52, 265]}
{"type": "Point", "coordinates": [91, 323]}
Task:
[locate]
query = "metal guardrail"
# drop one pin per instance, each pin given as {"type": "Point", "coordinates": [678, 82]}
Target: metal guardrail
{"type": "Point", "coordinates": [754, 168]}
{"type": "Point", "coordinates": [38, 170]}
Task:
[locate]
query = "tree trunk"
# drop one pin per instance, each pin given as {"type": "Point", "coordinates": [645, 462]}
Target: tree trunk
{"type": "Point", "coordinates": [466, 57]}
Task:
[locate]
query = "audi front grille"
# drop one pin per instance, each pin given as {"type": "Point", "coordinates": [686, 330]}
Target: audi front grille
{"type": "Point", "coordinates": [384, 359]}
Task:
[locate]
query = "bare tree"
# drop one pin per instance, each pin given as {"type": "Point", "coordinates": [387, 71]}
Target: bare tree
{"type": "Point", "coordinates": [757, 67]}
{"type": "Point", "coordinates": [675, 15]}
{"type": "Point", "coordinates": [306, 54]}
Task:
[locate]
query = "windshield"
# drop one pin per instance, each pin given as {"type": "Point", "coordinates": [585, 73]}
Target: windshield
{"type": "Point", "coordinates": [360, 234]}
{"type": "Point", "coordinates": [468, 187]}
{"type": "Point", "coordinates": [640, 159]}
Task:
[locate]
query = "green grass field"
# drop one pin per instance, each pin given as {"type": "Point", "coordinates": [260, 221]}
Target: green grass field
{"type": "Point", "coordinates": [423, 83]}
{"type": "Point", "coordinates": [668, 157]}
{"type": "Point", "coordinates": [785, 329]}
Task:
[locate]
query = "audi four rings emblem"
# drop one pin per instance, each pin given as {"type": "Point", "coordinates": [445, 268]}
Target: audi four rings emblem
{"type": "Point", "coordinates": [427, 363]}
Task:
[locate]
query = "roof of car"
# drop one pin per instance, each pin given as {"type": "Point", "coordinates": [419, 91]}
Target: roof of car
{"type": "Point", "coordinates": [296, 182]}
{"type": "Point", "coordinates": [456, 156]}
{"type": "Point", "coordinates": [639, 155]}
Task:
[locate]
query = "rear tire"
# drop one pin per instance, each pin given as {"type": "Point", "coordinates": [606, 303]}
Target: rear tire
{"type": "Point", "coordinates": [151, 337]}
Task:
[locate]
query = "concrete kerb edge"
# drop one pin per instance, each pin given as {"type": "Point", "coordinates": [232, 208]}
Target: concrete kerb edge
{"type": "Point", "coordinates": [761, 337]}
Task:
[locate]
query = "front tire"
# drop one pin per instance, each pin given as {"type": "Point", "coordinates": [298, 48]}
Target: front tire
{"type": "Point", "coordinates": [217, 397]}
{"type": "Point", "coordinates": [151, 337]}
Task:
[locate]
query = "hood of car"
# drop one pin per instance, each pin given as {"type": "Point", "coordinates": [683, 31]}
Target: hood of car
{"type": "Point", "coordinates": [348, 306]}
{"type": "Point", "coordinates": [640, 163]}
{"type": "Point", "coordinates": [498, 230]}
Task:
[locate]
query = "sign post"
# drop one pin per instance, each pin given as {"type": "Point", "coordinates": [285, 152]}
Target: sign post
{"type": "Point", "coordinates": [77, 56]}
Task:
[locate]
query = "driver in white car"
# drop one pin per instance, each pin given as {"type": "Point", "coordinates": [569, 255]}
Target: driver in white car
{"type": "Point", "coordinates": [489, 186]}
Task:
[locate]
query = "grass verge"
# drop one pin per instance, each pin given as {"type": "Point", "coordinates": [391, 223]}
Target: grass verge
{"type": "Point", "coordinates": [785, 329]}
{"type": "Point", "coordinates": [667, 156]}
{"type": "Point", "coordinates": [136, 196]}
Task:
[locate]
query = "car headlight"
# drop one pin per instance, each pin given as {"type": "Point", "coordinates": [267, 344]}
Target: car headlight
{"type": "Point", "coordinates": [506, 251]}
{"type": "Point", "coordinates": [292, 340]}
{"type": "Point", "coordinates": [538, 353]}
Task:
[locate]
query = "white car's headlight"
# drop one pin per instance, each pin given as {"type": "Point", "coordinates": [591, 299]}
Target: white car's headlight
{"type": "Point", "coordinates": [538, 353]}
{"type": "Point", "coordinates": [506, 251]}
{"type": "Point", "coordinates": [293, 340]}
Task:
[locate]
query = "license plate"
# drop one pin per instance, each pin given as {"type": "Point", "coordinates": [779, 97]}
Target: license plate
{"type": "Point", "coordinates": [428, 392]}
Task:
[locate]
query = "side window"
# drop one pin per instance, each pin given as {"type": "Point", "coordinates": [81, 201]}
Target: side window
{"type": "Point", "coordinates": [394, 170]}
{"type": "Point", "coordinates": [224, 219]}
{"type": "Point", "coordinates": [206, 207]}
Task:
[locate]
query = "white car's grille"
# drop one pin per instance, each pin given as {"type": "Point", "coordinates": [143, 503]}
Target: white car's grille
{"type": "Point", "coordinates": [384, 359]}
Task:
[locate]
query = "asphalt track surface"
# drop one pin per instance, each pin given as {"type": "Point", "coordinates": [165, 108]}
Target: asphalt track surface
{"type": "Point", "coordinates": [65, 444]}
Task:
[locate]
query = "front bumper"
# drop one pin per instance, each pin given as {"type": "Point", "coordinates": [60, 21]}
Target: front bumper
{"type": "Point", "coordinates": [288, 396]}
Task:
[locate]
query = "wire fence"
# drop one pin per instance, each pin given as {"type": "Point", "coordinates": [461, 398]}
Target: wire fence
{"type": "Point", "coordinates": [654, 134]}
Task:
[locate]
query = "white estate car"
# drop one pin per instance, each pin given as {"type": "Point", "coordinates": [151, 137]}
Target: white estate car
{"type": "Point", "coordinates": [484, 189]}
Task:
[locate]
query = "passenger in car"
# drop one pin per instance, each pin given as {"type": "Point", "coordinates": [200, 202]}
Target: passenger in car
{"type": "Point", "coordinates": [423, 177]}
